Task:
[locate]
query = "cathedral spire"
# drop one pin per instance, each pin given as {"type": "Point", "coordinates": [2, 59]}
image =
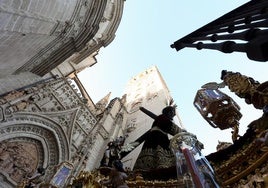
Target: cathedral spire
{"type": "Point", "coordinates": [100, 106]}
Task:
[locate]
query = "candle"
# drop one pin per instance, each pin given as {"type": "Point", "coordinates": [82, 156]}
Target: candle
{"type": "Point", "coordinates": [198, 180]}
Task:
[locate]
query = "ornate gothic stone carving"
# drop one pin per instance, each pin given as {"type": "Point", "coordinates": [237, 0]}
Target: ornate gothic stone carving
{"type": "Point", "coordinates": [49, 121]}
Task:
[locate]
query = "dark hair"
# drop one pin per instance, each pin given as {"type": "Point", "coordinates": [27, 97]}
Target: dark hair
{"type": "Point", "coordinates": [168, 109]}
{"type": "Point", "coordinates": [169, 112]}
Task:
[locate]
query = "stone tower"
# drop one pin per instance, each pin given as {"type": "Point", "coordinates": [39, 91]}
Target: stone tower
{"type": "Point", "coordinates": [149, 90]}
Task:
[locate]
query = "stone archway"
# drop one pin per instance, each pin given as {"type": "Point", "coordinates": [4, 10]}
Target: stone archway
{"type": "Point", "coordinates": [28, 141]}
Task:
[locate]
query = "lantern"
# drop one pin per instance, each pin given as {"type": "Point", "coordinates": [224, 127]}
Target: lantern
{"type": "Point", "coordinates": [217, 108]}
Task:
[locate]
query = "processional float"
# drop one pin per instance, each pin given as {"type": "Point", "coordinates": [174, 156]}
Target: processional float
{"type": "Point", "coordinates": [191, 165]}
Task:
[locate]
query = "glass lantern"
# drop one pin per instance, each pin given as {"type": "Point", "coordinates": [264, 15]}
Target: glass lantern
{"type": "Point", "coordinates": [192, 167]}
{"type": "Point", "coordinates": [217, 108]}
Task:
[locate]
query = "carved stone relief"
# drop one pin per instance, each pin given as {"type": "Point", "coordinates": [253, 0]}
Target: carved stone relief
{"type": "Point", "coordinates": [18, 159]}
{"type": "Point", "coordinates": [131, 125]}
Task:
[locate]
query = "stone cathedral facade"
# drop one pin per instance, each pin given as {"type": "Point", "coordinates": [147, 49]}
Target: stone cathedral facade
{"type": "Point", "coordinates": [38, 36]}
{"type": "Point", "coordinates": [51, 125]}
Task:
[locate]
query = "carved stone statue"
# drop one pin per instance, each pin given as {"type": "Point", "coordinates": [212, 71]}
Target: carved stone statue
{"type": "Point", "coordinates": [112, 151]}
{"type": "Point", "coordinates": [36, 178]}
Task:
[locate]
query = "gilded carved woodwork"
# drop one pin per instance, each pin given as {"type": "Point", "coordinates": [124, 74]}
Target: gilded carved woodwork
{"type": "Point", "coordinates": [236, 162]}
{"type": "Point", "coordinates": [240, 164]}
{"type": "Point", "coordinates": [252, 91]}
{"type": "Point", "coordinates": [91, 180]}
{"type": "Point", "coordinates": [88, 179]}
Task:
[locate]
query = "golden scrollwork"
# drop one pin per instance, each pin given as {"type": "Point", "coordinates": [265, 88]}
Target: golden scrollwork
{"type": "Point", "coordinates": [89, 179]}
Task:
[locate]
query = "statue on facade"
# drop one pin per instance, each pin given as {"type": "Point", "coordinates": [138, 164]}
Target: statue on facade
{"type": "Point", "coordinates": [112, 151]}
{"type": "Point", "coordinates": [36, 178]}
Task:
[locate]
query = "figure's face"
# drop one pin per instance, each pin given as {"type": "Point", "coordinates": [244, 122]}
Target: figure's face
{"type": "Point", "coordinates": [171, 114]}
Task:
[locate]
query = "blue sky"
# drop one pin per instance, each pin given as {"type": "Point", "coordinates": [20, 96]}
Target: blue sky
{"type": "Point", "coordinates": [143, 39]}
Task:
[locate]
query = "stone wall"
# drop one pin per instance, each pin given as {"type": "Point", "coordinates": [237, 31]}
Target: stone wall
{"type": "Point", "coordinates": [37, 36]}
